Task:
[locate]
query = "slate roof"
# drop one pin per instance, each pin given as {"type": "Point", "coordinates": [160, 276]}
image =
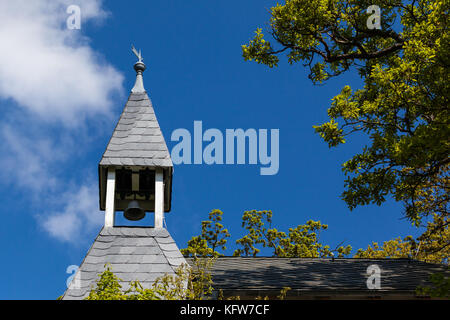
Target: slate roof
{"type": "Point", "coordinates": [303, 275]}
{"type": "Point", "coordinates": [137, 138]}
{"type": "Point", "coordinates": [134, 253]}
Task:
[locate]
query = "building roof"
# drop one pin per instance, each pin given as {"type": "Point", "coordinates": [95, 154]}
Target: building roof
{"type": "Point", "coordinates": [134, 253]}
{"type": "Point", "coordinates": [137, 138]}
{"type": "Point", "coordinates": [318, 274]}
{"type": "Point", "coordinates": [144, 254]}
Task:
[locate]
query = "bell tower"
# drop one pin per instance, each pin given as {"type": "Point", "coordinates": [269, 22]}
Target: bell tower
{"type": "Point", "coordinates": [135, 172]}
{"type": "Point", "coordinates": [135, 176]}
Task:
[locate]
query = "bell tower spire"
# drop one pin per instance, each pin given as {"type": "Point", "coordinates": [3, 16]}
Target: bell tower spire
{"type": "Point", "coordinates": [135, 171]}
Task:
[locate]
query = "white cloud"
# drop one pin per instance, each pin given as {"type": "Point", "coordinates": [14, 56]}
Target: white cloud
{"type": "Point", "coordinates": [79, 216]}
{"type": "Point", "coordinates": [30, 162]}
{"type": "Point", "coordinates": [57, 83]}
{"type": "Point", "coordinates": [49, 69]}
{"type": "Point", "coordinates": [26, 161]}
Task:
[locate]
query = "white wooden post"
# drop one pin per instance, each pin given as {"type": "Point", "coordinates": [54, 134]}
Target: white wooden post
{"type": "Point", "coordinates": [110, 190]}
{"type": "Point", "coordinates": [159, 198]}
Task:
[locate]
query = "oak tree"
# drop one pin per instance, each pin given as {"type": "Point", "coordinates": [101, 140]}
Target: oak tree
{"type": "Point", "coordinates": [402, 106]}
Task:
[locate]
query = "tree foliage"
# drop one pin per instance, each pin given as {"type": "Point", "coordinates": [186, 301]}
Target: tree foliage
{"type": "Point", "coordinates": [440, 287]}
{"type": "Point", "coordinates": [107, 287]}
{"type": "Point", "coordinates": [412, 249]}
{"type": "Point", "coordinates": [213, 237]}
{"type": "Point", "coordinates": [192, 282]}
{"type": "Point", "coordinates": [195, 282]}
{"type": "Point", "coordinates": [403, 106]}
{"type": "Point", "coordinates": [300, 242]}
{"type": "Point", "coordinates": [433, 246]}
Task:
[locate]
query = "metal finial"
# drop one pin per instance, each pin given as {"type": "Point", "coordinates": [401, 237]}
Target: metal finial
{"type": "Point", "coordinates": [136, 53]}
{"type": "Point", "coordinates": [140, 68]}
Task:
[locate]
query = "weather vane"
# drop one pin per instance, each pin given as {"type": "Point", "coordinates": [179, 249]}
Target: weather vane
{"type": "Point", "coordinates": [136, 53]}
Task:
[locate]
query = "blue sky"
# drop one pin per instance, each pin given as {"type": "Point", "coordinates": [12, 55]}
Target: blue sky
{"type": "Point", "coordinates": [62, 91]}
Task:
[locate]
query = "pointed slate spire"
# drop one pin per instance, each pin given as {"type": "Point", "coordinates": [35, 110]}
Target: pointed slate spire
{"type": "Point", "coordinates": [137, 138]}
{"type": "Point", "coordinates": [137, 141]}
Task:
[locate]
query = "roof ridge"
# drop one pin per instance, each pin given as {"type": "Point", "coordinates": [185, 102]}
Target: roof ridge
{"type": "Point", "coordinates": [320, 258]}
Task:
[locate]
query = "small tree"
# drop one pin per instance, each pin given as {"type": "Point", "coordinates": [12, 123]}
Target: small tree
{"type": "Point", "coordinates": [107, 287]}
{"type": "Point", "coordinates": [300, 242]}
{"type": "Point", "coordinates": [187, 283]}
{"type": "Point", "coordinates": [213, 237]}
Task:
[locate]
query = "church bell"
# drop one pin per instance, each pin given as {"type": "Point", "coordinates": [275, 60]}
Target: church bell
{"type": "Point", "coordinates": [134, 212]}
